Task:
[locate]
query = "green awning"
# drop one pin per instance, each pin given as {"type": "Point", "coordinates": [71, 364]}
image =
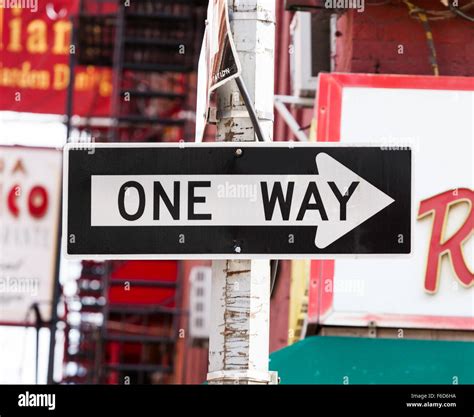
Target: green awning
{"type": "Point", "coordinates": [353, 360]}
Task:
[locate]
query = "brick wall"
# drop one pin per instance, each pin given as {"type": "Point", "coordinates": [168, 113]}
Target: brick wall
{"type": "Point", "coordinates": [385, 39]}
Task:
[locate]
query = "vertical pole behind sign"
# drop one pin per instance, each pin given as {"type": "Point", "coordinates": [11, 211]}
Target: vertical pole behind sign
{"type": "Point", "coordinates": [240, 308]}
{"type": "Point", "coordinates": [57, 285]}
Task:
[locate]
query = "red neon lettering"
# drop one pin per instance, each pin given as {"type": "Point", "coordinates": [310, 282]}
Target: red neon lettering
{"type": "Point", "coordinates": [12, 200]}
{"type": "Point", "coordinates": [439, 207]}
{"type": "Point", "coordinates": [38, 202]}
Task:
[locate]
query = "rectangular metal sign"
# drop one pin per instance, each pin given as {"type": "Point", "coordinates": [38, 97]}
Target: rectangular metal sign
{"type": "Point", "coordinates": [233, 200]}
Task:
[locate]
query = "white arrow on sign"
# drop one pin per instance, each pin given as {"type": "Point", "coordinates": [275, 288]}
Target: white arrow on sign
{"type": "Point", "coordinates": [334, 199]}
{"type": "Point", "coordinates": [365, 202]}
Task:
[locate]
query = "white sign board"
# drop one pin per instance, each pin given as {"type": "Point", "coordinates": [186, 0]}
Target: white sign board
{"type": "Point", "coordinates": [29, 215]}
{"type": "Point", "coordinates": [434, 116]}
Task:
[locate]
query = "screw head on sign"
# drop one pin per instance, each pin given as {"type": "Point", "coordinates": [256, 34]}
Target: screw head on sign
{"type": "Point", "coordinates": [238, 152]}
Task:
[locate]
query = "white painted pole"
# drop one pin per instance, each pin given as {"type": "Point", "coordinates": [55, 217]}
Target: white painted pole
{"type": "Point", "coordinates": [240, 308]}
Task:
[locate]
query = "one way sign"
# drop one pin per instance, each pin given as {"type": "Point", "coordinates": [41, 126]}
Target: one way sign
{"type": "Point", "coordinates": [235, 200]}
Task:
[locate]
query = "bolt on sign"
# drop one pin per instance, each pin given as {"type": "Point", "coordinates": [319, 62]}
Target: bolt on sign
{"type": "Point", "coordinates": [244, 201]}
{"type": "Point", "coordinates": [35, 50]}
{"type": "Point", "coordinates": [29, 212]}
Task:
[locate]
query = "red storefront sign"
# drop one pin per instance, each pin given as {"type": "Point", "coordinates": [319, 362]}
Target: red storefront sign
{"type": "Point", "coordinates": [433, 289]}
{"type": "Point", "coordinates": [34, 62]}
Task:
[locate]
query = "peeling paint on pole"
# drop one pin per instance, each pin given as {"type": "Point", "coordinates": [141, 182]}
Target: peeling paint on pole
{"type": "Point", "coordinates": [240, 308]}
{"type": "Point", "coordinates": [240, 318]}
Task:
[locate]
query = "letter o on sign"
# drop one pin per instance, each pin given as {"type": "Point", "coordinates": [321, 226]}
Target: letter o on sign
{"type": "Point", "coordinates": [38, 201]}
{"type": "Point", "coordinates": [141, 200]}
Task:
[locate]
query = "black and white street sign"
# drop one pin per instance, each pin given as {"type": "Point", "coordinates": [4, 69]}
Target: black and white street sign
{"type": "Point", "coordinates": [235, 200]}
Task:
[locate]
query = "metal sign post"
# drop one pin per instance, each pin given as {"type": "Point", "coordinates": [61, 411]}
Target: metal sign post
{"type": "Point", "coordinates": [240, 308]}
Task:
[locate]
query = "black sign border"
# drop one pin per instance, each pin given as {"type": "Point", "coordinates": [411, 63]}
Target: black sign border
{"type": "Point", "coordinates": [388, 169]}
